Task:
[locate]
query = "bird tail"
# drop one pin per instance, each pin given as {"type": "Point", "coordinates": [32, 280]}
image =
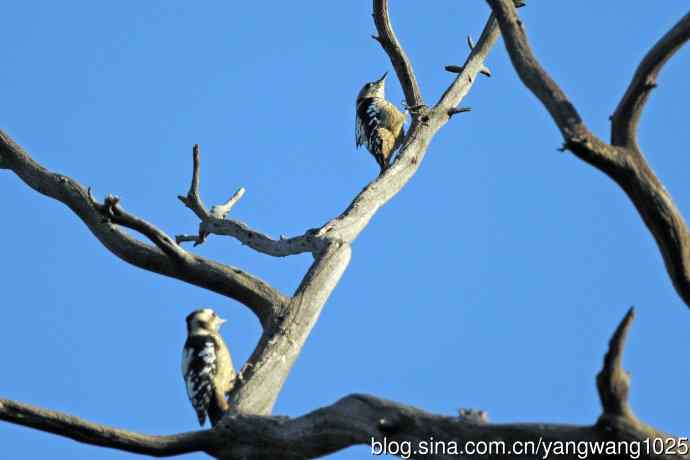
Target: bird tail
{"type": "Point", "coordinates": [384, 147]}
{"type": "Point", "coordinates": [201, 415]}
{"type": "Point", "coordinates": [217, 408]}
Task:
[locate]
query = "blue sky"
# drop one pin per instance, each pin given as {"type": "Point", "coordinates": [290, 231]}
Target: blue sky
{"type": "Point", "coordinates": [506, 264]}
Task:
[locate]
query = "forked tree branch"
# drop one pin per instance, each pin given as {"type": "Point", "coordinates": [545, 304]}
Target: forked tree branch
{"type": "Point", "coordinates": [214, 222]}
{"type": "Point", "coordinates": [401, 63]}
{"type": "Point", "coordinates": [113, 212]}
{"type": "Point", "coordinates": [361, 419]}
{"type": "Point", "coordinates": [473, 66]}
{"type": "Point", "coordinates": [226, 280]}
{"type": "Point", "coordinates": [426, 123]}
{"type": "Point", "coordinates": [624, 161]}
{"type": "Point", "coordinates": [627, 115]}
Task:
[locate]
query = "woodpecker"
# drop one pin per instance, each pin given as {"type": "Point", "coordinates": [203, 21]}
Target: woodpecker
{"type": "Point", "coordinates": [207, 366]}
{"type": "Point", "coordinates": [379, 124]}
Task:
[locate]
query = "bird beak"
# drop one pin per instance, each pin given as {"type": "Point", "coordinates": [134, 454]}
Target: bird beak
{"type": "Point", "coordinates": [221, 321]}
{"type": "Point", "coordinates": [382, 78]}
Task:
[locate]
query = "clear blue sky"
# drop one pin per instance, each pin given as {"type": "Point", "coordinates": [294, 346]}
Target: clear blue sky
{"type": "Point", "coordinates": [507, 263]}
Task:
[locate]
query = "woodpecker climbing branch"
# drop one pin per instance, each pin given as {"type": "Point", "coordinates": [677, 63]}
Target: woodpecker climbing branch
{"type": "Point", "coordinates": [193, 198]}
{"type": "Point", "coordinates": [623, 162]}
{"type": "Point", "coordinates": [361, 419]}
{"type": "Point", "coordinates": [226, 280]}
{"type": "Point", "coordinates": [350, 223]}
{"type": "Point", "coordinates": [219, 211]}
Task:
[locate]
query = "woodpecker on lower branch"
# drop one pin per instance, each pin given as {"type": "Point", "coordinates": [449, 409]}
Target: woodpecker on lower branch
{"type": "Point", "coordinates": [207, 366]}
{"type": "Point", "coordinates": [379, 124]}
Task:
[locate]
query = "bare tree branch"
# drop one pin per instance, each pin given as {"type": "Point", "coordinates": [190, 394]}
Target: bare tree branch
{"type": "Point", "coordinates": [401, 63]}
{"type": "Point", "coordinates": [262, 243]}
{"type": "Point", "coordinates": [564, 114]}
{"type": "Point", "coordinates": [280, 345]}
{"type": "Point", "coordinates": [229, 281]}
{"type": "Point", "coordinates": [473, 65]}
{"type": "Point", "coordinates": [612, 381]}
{"type": "Point", "coordinates": [112, 211]}
{"type": "Point", "coordinates": [214, 222]}
{"type": "Point", "coordinates": [193, 198]}
{"type": "Point", "coordinates": [219, 211]}
{"type": "Point", "coordinates": [613, 385]}
{"type": "Point", "coordinates": [361, 419]}
{"type": "Point", "coordinates": [625, 164]}
{"type": "Point", "coordinates": [627, 115]}
{"type": "Point", "coordinates": [80, 430]}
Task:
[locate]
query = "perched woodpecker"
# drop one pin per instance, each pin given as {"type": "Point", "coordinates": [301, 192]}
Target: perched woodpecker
{"type": "Point", "coordinates": [207, 366]}
{"type": "Point", "coordinates": [379, 124]}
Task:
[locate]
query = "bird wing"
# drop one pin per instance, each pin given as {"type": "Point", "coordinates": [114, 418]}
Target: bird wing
{"type": "Point", "coordinates": [367, 121]}
{"type": "Point", "coordinates": [198, 369]}
{"type": "Point", "coordinates": [360, 137]}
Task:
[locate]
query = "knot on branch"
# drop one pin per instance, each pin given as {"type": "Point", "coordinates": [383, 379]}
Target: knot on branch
{"type": "Point", "coordinates": [480, 417]}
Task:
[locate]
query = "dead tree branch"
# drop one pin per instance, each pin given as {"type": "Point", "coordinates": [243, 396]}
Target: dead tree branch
{"type": "Point", "coordinates": [226, 280]}
{"type": "Point", "coordinates": [627, 115]}
{"type": "Point", "coordinates": [72, 427]}
{"type": "Point", "coordinates": [623, 161]}
{"type": "Point", "coordinates": [401, 63]}
{"type": "Point", "coordinates": [214, 222]}
{"type": "Point", "coordinates": [473, 66]}
{"type": "Point", "coordinates": [359, 419]}
{"type": "Point", "coordinates": [613, 382]}
{"type": "Point", "coordinates": [113, 211]}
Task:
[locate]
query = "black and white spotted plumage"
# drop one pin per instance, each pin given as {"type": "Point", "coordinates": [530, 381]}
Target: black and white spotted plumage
{"type": "Point", "coordinates": [207, 366]}
{"type": "Point", "coordinates": [378, 124]}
